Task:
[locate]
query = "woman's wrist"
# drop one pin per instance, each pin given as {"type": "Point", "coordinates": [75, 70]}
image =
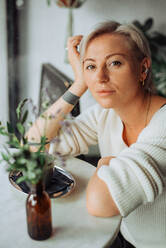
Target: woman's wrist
{"type": "Point", "coordinates": [78, 88]}
{"type": "Point", "coordinates": [70, 98]}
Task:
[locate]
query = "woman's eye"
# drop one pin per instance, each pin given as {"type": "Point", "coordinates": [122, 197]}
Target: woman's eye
{"type": "Point", "coordinates": [115, 63]}
{"type": "Point", "coordinates": [90, 67]}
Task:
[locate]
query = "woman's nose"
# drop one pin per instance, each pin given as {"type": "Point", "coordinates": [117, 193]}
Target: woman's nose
{"type": "Point", "coordinates": [102, 76]}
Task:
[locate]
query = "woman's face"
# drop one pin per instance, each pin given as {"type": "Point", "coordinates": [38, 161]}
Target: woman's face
{"type": "Point", "coordinates": [111, 71]}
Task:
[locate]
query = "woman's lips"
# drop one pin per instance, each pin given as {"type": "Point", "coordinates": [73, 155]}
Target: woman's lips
{"type": "Point", "coordinates": [105, 92]}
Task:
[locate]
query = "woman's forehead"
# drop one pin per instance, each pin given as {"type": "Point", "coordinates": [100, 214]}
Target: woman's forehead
{"type": "Point", "coordinates": [108, 44]}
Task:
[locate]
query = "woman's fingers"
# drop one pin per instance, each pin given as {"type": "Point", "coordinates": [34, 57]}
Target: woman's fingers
{"type": "Point", "coordinates": [104, 161]}
{"type": "Point", "coordinates": [74, 40]}
{"type": "Point", "coordinates": [73, 43]}
{"type": "Point", "coordinates": [74, 56]}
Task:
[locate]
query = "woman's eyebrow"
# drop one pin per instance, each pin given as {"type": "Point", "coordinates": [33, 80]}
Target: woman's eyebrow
{"type": "Point", "coordinates": [114, 54]}
{"type": "Point", "coordinates": [107, 57]}
{"type": "Point", "coordinates": [88, 59]}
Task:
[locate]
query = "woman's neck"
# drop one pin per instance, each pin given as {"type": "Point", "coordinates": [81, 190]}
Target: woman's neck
{"type": "Point", "coordinates": [136, 116]}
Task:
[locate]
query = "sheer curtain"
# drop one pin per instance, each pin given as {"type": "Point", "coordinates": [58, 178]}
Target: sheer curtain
{"type": "Point", "coordinates": [4, 115]}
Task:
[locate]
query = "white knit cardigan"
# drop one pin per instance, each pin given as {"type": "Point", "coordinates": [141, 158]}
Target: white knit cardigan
{"type": "Point", "coordinates": [135, 178]}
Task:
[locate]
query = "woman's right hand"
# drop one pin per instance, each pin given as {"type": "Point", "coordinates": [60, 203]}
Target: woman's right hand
{"type": "Point", "coordinates": [74, 57]}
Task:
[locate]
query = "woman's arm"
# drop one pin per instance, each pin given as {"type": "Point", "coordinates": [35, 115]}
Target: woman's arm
{"type": "Point", "coordinates": [99, 200]}
{"type": "Point", "coordinates": [50, 124]}
{"type": "Point", "coordinates": [137, 176]}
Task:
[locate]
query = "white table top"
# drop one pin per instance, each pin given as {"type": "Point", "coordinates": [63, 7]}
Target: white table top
{"type": "Point", "coordinates": [73, 226]}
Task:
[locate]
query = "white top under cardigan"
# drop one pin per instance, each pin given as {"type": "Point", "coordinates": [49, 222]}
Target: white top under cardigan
{"type": "Point", "coordinates": [135, 178]}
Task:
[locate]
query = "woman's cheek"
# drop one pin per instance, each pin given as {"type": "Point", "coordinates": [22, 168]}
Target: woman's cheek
{"type": "Point", "coordinates": [87, 79]}
{"type": "Point", "coordinates": [86, 82]}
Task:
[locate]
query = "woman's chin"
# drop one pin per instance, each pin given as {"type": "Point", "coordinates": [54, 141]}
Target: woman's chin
{"type": "Point", "coordinates": [105, 104]}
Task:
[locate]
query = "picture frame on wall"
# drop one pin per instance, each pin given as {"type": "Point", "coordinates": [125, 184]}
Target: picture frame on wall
{"type": "Point", "coordinates": [53, 85]}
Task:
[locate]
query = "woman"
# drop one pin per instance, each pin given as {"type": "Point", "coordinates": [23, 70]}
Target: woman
{"type": "Point", "coordinates": [129, 125]}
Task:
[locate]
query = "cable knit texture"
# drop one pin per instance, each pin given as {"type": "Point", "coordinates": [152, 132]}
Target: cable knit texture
{"type": "Point", "coordinates": [135, 178]}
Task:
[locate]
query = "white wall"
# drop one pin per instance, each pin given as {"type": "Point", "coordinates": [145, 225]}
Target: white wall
{"type": "Point", "coordinates": [43, 31]}
{"type": "Point", "coordinates": [3, 67]}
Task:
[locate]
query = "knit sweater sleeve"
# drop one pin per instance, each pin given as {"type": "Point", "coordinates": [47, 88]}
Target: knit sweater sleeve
{"type": "Point", "coordinates": [137, 175]}
{"type": "Point", "coordinates": [79, 134]}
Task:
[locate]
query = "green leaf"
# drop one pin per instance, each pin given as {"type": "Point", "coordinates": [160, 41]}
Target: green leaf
{"type": "Point", "coordinates": [43, 140]}
{"type": "Point", "coordinates": [7, 150]}
{"type": "Point", "coordinates": [21, 128]}
{"type": "Point", "coordinates": [148, 24]}
{"type": "Point", "coordinates": [42, 160]}
{"type": "Point", "coordinates": [5, 157]}
{"type": "Point", "coordinates": [14, 143]}
{"type": "Point", "coordinates": [24, 140]}
{"type": "Point", "coordinates": [49, 2]}
{"type": "Point", "coordinates": [41, 149]}
{"type": "Point", "coordinates": [15, 140]}
{"type": "Point", "coordinates": [32, 165]}
{"type": "Point", "coordinates": [24, 118]}
{"type": "Point", "coordinates": [20, 107]}
{"type": "Point", "coordinates": [22, 161]}
{"type": "Point", "coordinates": [3, 132]}
{"type": "Point", "coordinates": [21, 179]}
{"type": "Point", "coordinates": [10, 129]}
{"type": "Point", "coordinates": [31, 175]}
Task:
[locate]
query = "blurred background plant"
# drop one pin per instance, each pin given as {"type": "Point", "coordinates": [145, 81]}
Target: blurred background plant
{"type": "Point", "coordinates": [67, 3]}
{"type": "Point", "coordinates": [157, 42]}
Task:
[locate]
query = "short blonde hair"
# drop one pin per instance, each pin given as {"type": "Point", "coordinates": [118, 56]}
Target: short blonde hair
{"type": "Point", "coordinates": [135, 37]}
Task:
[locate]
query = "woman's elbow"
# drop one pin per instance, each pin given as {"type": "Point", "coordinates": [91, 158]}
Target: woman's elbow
{"type": "Point", "coordinates": [97, 212]}
{"type": "Point", "coordinates": [97, 208]}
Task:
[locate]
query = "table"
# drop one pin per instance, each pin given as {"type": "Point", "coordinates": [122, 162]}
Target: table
{"type": "Point", "coordinates": [73, 227]}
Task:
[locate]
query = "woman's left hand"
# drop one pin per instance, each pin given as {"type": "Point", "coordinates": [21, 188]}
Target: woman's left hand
{"type": "Point", "coordinates": [104, 161]}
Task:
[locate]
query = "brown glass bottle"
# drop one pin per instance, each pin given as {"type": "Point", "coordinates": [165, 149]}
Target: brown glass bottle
{"type": "Point", "coordinates": [38, 209]}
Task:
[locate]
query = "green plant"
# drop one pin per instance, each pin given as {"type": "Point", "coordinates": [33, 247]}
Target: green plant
{"type": "Point", "coordinates": [33, 165]}
{"type": "Point", "coordinates": [157, 43]}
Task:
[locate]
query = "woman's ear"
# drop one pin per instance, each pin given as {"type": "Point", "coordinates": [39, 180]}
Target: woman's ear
{"type": "Point", "coordinates": [145, 65]}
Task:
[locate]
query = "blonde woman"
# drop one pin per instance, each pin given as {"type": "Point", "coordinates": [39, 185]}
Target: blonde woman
{"type": "Point", "coordinates": [128, 123]}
